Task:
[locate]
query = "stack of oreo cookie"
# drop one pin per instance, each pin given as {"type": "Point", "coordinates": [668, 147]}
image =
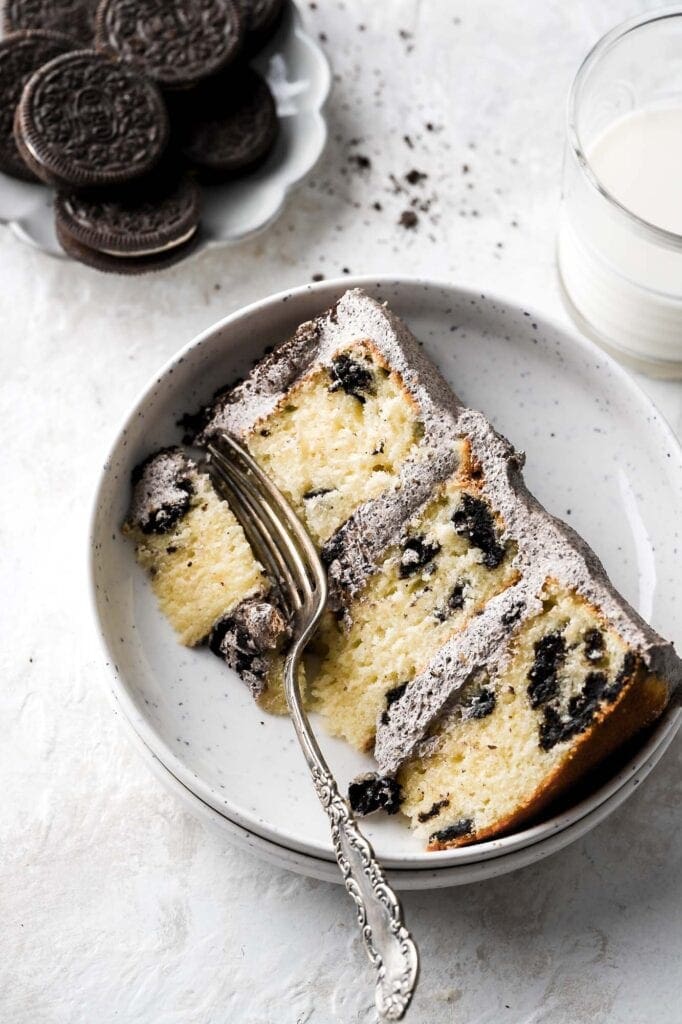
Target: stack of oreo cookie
{"type": "Point", "coordinates": [127, 107]}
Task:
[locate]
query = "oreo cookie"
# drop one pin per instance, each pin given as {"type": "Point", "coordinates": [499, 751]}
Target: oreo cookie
{"type": "Point", "coordinates": [261, 20]}
{"type": "Point", "coordinates": [146, 218]}
{"type": "Point", "coordinates": [137, 228]}
{"type": "Point", "coordinates": [230, 128]}
{"type": "Point", "coordinates": [178, 43]}
{"type": "Point", "coordinates": [73, 18]}
{"type": "Point", "coordinates": [86, 118]}
{"type": "Point", "coordinates": [112, 264]}
{"type": "Point", "coordinates": [21, 54]}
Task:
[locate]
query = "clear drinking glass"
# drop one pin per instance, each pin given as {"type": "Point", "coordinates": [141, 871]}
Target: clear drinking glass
{"type": "Point", "coordinates": [621, 273]}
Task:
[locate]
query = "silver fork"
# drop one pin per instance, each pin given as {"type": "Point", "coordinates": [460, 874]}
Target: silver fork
{"type": "Point", "coordinates": [285, 549]}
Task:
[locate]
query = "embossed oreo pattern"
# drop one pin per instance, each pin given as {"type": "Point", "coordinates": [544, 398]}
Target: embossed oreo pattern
{"type": "Point", "coordinates": [20, 55]}
{"type": "Point", "coordinates": [75, 18]}
{"type": "Point", "coordinates": [133, 219]}
{"type": "Point", "coordinates": [88, 119]}
{"type": "Point", "coordinates": [177, 42]}
{"type": "Point", "coordinates": [234, 128]}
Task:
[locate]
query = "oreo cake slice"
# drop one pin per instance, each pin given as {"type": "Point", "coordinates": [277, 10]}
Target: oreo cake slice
{"type": "Point", "coordinates": [472, 643]}
{"type": "Point", "coordinates": [551, 676]}
{"type": "Point", "coordinates": [206, 579]}
{"type": "Point", "coordinates": [331, 419]}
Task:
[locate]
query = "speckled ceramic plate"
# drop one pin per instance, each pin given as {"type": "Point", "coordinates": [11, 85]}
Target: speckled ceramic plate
{"type": "Point", "coordinates": [299, 76]}
{"type": "Point", "coordinates": [559, 831]}
{"type": "Point", "coordinates": [598, 455]}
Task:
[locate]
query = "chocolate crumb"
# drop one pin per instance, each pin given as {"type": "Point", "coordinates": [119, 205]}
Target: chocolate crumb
{"type": "Point", "coordinates": [433, 811]}
{"type": "Point", "coordinates": [362, 162]}
{"type": "Point", "coordinates": [408, 219]}
{"type": "Point", "coordinates": [373, 792]}
{"type": "Point", "coordinates": [415, 177]}
{"type": "Point", "coordinates": [463, 827]}
{"type": "Point", "coordinates": [319, 492]}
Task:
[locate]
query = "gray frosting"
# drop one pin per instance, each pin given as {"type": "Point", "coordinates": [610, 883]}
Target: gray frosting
{"type": "Point", "coordinates": [545, 547]}
{"type": "Point", "coordinates": [246, 638]}
{"type": "Point", "coordinates": [355, 317]}
{"type": "Point", "coordinates": [162, 489]}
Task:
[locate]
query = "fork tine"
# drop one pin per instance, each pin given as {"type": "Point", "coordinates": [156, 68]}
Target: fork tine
{"type": "Point", "coordinates": [299, 534]}
{"type": "Point", "coordinates": [271, 530]}
{"type": "Point", "coordinates": [258, 536]}
{"type": "Point", "coordinates": [278, 529]}
{"type": "Point", "coordinates": [291, 551]}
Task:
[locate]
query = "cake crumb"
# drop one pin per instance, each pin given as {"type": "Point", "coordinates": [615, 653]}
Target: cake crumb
{"type": "Point", "coordinates": [415, 177]}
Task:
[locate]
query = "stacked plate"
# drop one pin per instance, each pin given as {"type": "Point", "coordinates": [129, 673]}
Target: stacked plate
{"type": "Point", "coordinates": [240, 770]}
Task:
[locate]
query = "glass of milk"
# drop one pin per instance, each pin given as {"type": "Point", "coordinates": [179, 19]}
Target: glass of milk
{"type": "Point", "coordinates": [620, 234]}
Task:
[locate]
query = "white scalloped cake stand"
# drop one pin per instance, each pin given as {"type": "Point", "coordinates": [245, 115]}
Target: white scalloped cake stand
{"type": "Point", "coordinates": [298, 74]}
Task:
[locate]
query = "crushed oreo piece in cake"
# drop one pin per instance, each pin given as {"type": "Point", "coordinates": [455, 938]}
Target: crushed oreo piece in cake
{"type": "Point", "coordinates": [396, 693]}
{"type": "Point", "coordinates": [391, 697]}
{"type": "Point", "coordinates": [162, 491]}
{"type": "Point", "coordinates": [433, 811]}
{"type": "Point", "coordinates": [480, 703]}
{"type": "Point", "coordinates": [319, 492]}
{"type": "Point", "coordinates": [373, 792]}
{"type": "Point", "coordinates": [583, 706]}
{"type": "Point", "coordinates": [454, 603]}
{"type": "Point", "coordinates": [417, 553]}
{"type": "Point", "coordinates": [246, 637]}
{"type": "Point", "coordinates": [457, 596]}
{"type": "Point", "coordinates": [351, 376]}
{"type": "Point", "coordinates": [333, 549]}
{"type": "Point", "coordinates": [473, 520]}
{"type": "Point", "coordinates": [463, 827]}
{"type": "Point", "coordinates": [550, 653]}
{"type": "Point", "coordinates": [552, 729]}
{"type": "Point", "coordinates": [627, 670]}
{"type": "Point", "coordinates": [555, 729]}
{"type": "Point", "coordinates": [594, 645]}
{"type": "Point", "coordinates": [513, 614]}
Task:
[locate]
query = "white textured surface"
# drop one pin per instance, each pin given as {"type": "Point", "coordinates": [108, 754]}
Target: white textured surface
{"type": "Point", "coordinates": [116, 906]}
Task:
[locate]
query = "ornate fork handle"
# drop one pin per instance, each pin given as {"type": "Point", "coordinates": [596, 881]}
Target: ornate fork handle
{"type": "Point", "coordinates": [388, 943]}
{"type": "Point", "coordinates": [286, 549]}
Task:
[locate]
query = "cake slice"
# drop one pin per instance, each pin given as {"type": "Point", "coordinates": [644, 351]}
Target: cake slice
{"type": "Point", "coordinates": [472, 642]}
{"type": "Point", "coordinates": [554, 675]}
{"type": "Point", "coordinates": [207, 581]}
{"type": "Point", "coordinates": [336, 416]}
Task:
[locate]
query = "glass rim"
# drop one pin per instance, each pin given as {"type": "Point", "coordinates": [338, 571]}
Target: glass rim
{"type": "Point", "coordinates": [669, 238]}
